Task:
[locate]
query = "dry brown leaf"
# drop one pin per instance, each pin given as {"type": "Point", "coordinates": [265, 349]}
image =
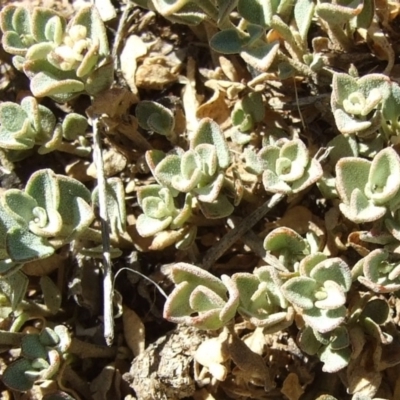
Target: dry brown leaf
{"type": "Point", "coordinates": [250, 365]}
{"type": "Point", "coordinates": [291, 387]}
{"type": "Point", "coordinates": [362, 376]}
{"type": "Point", "coordinates": [134, 48]}
{"type": "Point", "coordinates": [134, 331]}
{"type": "Point", "coordinates": [255, 341]}
{"type": "Point", "coordinates": [106, 385]}
{"type": "Point", "coordinates": [114, 102]}
{"type": "Point", "coordinates": [77, 169]}
{"type": "Point", "coordinates": [228, 68]}
{"type": "Point", "coordinates": [215, 108]}
{"type": "Point", "coordinates": [190, 98]}
{"type": "Point", "coordinates": [114, 163]}
{"type": "Point", "coordinates": [45, 266]}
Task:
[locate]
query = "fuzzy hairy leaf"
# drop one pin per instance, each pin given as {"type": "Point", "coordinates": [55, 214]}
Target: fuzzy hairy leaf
{"type": "Point", "coordinates": [209, 132]}
{"type": "Point", "coordinates": [14, 375]}
{"type": "Point", "coordinates": [23, 246]}
{"type": "Point", "coordinates": [155, 117]}
{"type": "Point", "coordinates": [228, 41]}
{"type": "Point", "coordinates": [300, 291]}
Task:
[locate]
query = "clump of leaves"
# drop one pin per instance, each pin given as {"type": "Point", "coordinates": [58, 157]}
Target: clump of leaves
{"type": "Point", "coordinates": [378, 272]}
{"type": "Point", "coordinates": [41, 358]}
{"type": "Point", "coordinates": [155, 117]}
{"type": "Point", "coordinates": [287, 246]}
{"type": "Point", "coordinates": [286, 166]}
{"type": "Point", "coordinates": [261, 300]}
{"type": "Point", "coordinates": [332, 348]}
{"type": "Point", "coordinates": [30, 124]}
{"type": "Point", "coordinates": [319, 292]}
{"type": "Point", "coordinates": [200, 171]}
{"type": "Point", "coordinates": [368, 189]}
{"type": "Point", "coordinates": [246, 113]}
{"type": "Point", "coordinates": [367, 107]}
{"type": "Point", "coordinates": [44, 357]}
{"type": "Point", "coordinates": [357, 102]}
{"type": "Point", "coordinates": [200, 299]}
{"type": "Point", "coordinates": [61, 60]}
{"type": "Point", "coordinates": [51, 211]}
{"type": "Point", "coordinates": [160, 213]}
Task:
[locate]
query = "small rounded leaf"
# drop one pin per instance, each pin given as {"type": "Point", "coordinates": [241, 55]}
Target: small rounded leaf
{"type": "Point", "coordinates": [14, 376]}
{"type": "Point", "coordinates": [228, 41]}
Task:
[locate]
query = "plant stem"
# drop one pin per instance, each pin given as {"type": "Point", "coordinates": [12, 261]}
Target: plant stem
{"type": "Point", "coordinates": [209, 8]}
{"type": "Point", "coordinates": [107, 271]}
{"type": "Point", "coordinates": [227, 241]}
{"type": "Point", "coordinates": [11, 338]}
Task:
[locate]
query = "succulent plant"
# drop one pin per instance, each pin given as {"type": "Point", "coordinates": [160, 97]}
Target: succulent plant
{"type": "Point", "coordinates": [357, 102]}
{"type": "Point", "coordinates": [367, 189]}
{"type": "Point", "coordinates": [332, 348]}
{"type": "Point", "coordinates": [200, 299]}
{"type": "Point", "coordinates": [261, 300]}
{"type": "Point", "coordinates": [61, 60]}
{"type": "Point", "coordinates": [248, 37]}
{"type": "Point", "coordinates": [51, 211]}
{"type": "Point", "coordinates": [200, 171]}
{"type": "Point", "coordinates": [248, 111]}
{"type": "Point", "coordinates": [379, 273]}
{"type": "Point", "coordinates": [286, 166]}
{"type": "Point", "coordinates": [369, 316]}
{"type": "Point", "coordinates": [154, 117]}
{"type": "Point", "coordinates": [343, 18]}
{"type": "Point", "coordinates": [40, 358]}
{"type": "Point", "coordinates": [319, 292]}
{"type": "Point", "coordinates": [288, 246]}
{"type": "Point", "coordinates": [44, 356]}
{"type": "Point", "coordinates": [30, 124]}
{"type": "Point", "coordinates": [159, 210]}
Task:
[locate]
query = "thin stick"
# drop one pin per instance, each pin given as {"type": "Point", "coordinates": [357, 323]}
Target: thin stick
{"type": "Point", "coordinates": [144, 277]}
{"type": "Point", "coordinates": [105, 231]}
{"type": "Point", "coordinates": [227, 241]}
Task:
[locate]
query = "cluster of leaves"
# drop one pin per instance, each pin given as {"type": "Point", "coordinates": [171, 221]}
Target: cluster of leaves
{"type": "Point", "coordinates": [30, 124]}
{"type": "Point", "coordinates": [264, 32]}
{"type": "Point", "coordinates": [42, 355]}
{"type": "Point", "coordinates": [311, 288]}
{"type": "Point", "coordinates": [198, 174]}
{"type": "Point", "coordinates": [359, 172]}
{"type": "Point", "coordinates": [50, 212]}
{"type": "Point", "coordinates": [310, 284]}
{"type": "Point", "coordinates": [61, 60]}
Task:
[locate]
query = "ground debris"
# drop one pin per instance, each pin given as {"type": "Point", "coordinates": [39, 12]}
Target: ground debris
{"type": "Point", "coordinates": [163, 371]}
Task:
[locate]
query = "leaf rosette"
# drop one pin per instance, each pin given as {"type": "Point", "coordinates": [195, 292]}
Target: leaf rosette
{"type": "Point", "coordinates": [320, 291]}
{"type": "Point", "coordinates": [200, 170]}
{"type": "Point", "coordinates": [286, 167]}
{"type": "Point", "coordinates": [261, 300]}
{"type": "Point", "coordinates": [62, 61]}
{"type": "Point", "coordinates": [357, 102]}
{"type": "Point", "coordinates": [200, 299]}
{"type": "Point", "coordinates": [51, 211]}
{"type": "Point", "coordinates": [367, 189]}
